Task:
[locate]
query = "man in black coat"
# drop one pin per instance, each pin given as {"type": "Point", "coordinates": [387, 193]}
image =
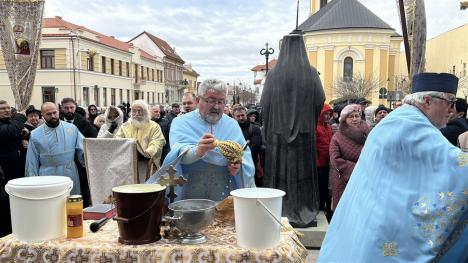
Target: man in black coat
{"type": "Point", "coordinates": [174, 112]}
{"type": "Point", "coordinates": [11, 128]}
{"type": "Point", "coordinates": [92, 113]}
{"type": "Point", "coordinates": [458, 123]}
{"type": "Point", "coordinates": [253, 135]}
{"type": "Point", "coordinates": [88, 130]}
{"type": "Point", "coordinates": [165, 127]}
{"type": "Point", "coordinates": [69, 107]}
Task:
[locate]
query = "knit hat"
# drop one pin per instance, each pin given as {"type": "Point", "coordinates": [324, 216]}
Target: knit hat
{"type": "Point", "coordinates": [381, 107]}
{"type": "Point", "coordinates": [348, 110]}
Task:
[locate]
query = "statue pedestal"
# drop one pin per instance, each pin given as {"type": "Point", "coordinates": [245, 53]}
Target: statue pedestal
{"type": "Point", "coordinates": [313, 236]}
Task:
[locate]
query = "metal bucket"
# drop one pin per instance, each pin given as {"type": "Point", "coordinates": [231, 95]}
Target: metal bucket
{"type": "Point", "coordinates": [139, 212]}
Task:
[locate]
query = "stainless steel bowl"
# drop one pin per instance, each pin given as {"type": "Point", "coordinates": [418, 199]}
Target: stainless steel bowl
{"type": "Point", "coordinates": [191, 216]}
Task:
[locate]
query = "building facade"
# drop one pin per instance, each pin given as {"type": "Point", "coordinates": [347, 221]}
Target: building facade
{"type": "Point", "coordinates": [173, 64]}
{"type": "Point", "coordinates": [259, 72]}
{"type": "Point", "coordinates": [345, 40]}
{"type": "Point", "coordinates": [190, 79]}
{"type": "Point", "coordinates": [93, 68]}
{"type": "Point", "coordinates": [453, 60]}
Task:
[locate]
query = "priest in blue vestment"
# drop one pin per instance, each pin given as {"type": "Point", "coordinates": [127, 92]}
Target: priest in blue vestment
{"type": "Point", "coordinates": [53, 146]}
{"type": "Point", "coordinates": [210, 175]}
{"type": "Point", "coordinates": [407, 197]}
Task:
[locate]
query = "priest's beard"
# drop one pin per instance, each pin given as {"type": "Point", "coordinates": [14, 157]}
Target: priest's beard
{"type": "Point", "coordinates": [139, 124]}
{"type": "Point", "coordinates": [52, 123]}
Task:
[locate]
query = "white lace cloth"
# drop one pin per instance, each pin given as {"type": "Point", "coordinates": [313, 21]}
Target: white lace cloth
{"type": "Point", "coordinates": [109, 163]}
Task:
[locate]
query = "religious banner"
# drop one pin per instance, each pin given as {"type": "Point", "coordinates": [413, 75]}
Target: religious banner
{"type": "Point", "coordinates": [20, 33]}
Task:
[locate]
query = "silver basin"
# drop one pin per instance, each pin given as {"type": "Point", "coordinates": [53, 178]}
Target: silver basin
{"type": "Point", "coordinates": [191, 216]}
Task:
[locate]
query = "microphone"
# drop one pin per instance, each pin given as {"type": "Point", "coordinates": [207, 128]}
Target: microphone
{"type": "Point", "coordinates": [96, 225]}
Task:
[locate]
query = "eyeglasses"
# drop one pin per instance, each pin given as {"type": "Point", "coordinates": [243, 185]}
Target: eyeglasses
{"type": "Point", "coordinates": [213, 101]}
{"type": "Point", "coordinates": [450, 102]}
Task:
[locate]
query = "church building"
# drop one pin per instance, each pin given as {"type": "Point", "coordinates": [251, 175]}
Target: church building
{"type": "Point", "coordinates": [345, 40]}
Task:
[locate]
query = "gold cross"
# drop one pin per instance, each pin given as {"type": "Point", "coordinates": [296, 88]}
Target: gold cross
{"type": "Point", "coordinates": [171, 181]}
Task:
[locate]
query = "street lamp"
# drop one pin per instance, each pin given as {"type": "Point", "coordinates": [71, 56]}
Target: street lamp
{"type": "Point", "coordinates": [267, 51]}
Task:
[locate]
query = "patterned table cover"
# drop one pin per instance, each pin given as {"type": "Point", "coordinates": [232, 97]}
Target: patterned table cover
{"type": "Point", "coordinates": [104, 247]}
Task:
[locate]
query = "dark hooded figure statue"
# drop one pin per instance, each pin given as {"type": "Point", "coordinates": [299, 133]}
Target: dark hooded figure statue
{"type": "Point", "coordinates": [292, 99]}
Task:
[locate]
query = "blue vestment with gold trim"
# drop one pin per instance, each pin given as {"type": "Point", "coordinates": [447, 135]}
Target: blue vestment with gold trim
{"type": "Point", "coordinates": [208, 176]}
{"type": "Point", "coordinates": [407, 197]}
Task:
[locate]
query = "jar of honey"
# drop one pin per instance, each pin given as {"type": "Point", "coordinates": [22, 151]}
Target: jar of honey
{"type": "Point", "coordinates": [74, 216]}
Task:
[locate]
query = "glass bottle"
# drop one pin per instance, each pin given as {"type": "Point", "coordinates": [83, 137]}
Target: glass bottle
{"type": "Point", "coordinates": [74, 216]}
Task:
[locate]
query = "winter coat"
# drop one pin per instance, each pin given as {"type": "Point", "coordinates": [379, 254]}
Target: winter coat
{"type": "Point", "coordinates": [454, 128]}
{"type": "Point", "coordinates": [84, 126]}
{"type": "Point", "coordinates": [324, 134]}
{"type": "Point", "coordinates": [165, 128]}
{"type": "Point", "coordinates": [344, 153]}
{"type": "Point", "coordinates": [10, 141]}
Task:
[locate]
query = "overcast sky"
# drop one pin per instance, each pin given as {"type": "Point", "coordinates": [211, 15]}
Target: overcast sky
{"type": "Point", "coordinates": [222, 38]}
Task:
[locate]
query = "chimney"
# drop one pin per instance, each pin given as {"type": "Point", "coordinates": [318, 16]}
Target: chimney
{"type": "Point", "coordinates": [316, 5]}
{"type": "Point", "coordinates": [58, 17]}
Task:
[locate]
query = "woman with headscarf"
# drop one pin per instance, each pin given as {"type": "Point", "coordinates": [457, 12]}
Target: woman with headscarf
{"type": "Point", "coordinates": [345, 148]}
{"type": "Point", "coordinates": [113, 120]}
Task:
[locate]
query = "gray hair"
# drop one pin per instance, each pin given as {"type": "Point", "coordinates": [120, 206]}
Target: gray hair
{"type": "Point", "coordinates": [418, 97]}
{"type": "Point", "coordinates": [143, 105]}
{"type": "Point", "coordinates": [212, 84]}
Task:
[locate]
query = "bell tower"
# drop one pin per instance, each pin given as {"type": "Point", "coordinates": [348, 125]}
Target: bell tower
{"type": "Point", "coordinates": [315, 6]}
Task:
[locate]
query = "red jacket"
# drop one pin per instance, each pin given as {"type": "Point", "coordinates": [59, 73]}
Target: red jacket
{"type": "Point", "coordinates": [324, 133]}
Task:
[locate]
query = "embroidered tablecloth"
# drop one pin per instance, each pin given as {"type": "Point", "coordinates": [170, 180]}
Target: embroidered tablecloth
{"type": "Point", "coordinates": [104, 247]}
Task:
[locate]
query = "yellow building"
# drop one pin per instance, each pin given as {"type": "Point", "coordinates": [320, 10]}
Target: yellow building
{"type": "Point", "coordinates": [190, 79]}
{"type": "Point", "coordinates": [440, 58]}
{"type": "Point", "coordinates": [173, 64]}
{"type": "Point", "coordinates": [93, 68]}
{"type": "Point", "coordinates": [344, 39]}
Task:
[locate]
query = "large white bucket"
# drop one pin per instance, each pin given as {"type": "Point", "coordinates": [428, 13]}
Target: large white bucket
{"type": "Point", "coordinates": [38, 206]}
{"type": "Point", "coordinates": [255, 226]}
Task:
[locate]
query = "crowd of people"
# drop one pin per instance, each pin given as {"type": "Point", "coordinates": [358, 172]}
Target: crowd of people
{"type": "Point", "coordinates": [49, 141]}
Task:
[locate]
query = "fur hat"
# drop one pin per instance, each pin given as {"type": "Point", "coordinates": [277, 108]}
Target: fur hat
{"type": "Point", "coordinates": [348, 110]}
{"type": "Point", "coordinates": [31, 109]}
{"type": "Point", "coordinates": [381, 107]}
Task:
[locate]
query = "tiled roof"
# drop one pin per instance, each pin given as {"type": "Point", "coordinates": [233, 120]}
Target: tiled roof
{"type": "Point", "coordinates": [58, 22]}
{"type": "Point", "coordinates": [191, 72]}
{"type": "Point", "coordinates": [339, 14]}
{"type": "Point", "coordinates": [164, 46]}
{"type": "Point", "coordinates": [147, 55]}
{"type": "Point", "coordinates": [262, 67]}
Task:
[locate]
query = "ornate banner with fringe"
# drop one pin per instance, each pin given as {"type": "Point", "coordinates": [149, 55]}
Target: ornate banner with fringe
{"type": "Point", "coordinates": [20, 33]}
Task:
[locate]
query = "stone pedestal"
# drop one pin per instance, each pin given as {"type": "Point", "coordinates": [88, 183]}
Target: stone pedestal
{"type": "Point", "coordinates": [313, 236]}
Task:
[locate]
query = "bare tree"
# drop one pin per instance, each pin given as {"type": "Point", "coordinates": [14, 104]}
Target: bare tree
{"type": "Point", "coordinates": [355, 87]}
{"type": "Point", "coordinates": [402, 84]}
{"type": "Point", "coordinates": [463, 86]}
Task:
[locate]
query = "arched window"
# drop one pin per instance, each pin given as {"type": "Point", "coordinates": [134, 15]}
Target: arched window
{"type": "Point", "coordinates": [348, 68]}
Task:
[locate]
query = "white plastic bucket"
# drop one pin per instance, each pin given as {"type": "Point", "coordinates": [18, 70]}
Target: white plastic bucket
{"type": "Point", "coordinates": [255, 227]}
{"type": "Point", "coordinates": [38, 206]}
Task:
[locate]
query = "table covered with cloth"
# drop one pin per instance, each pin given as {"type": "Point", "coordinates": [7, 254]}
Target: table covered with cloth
{"type": "Point", "coordinates": [103, 246]}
